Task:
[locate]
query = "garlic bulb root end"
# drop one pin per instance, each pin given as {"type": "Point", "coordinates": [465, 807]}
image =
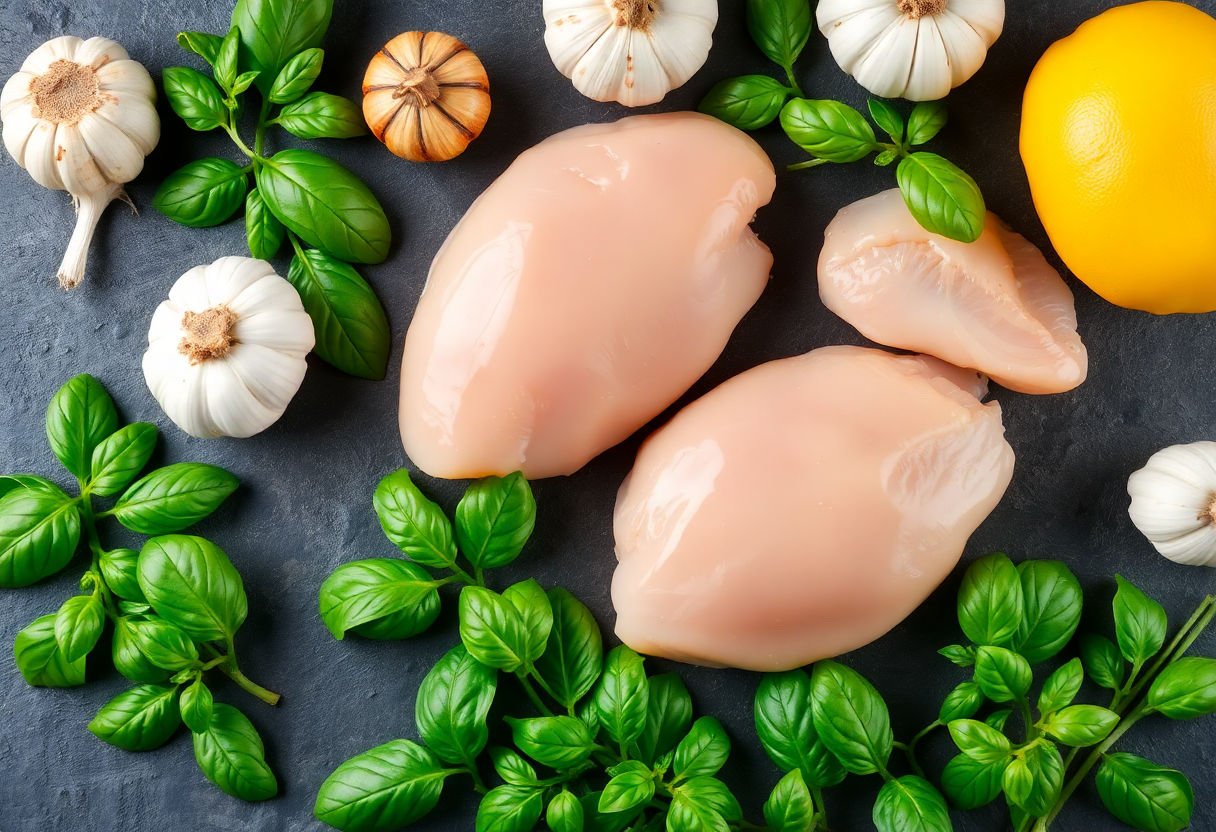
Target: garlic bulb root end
{"type": "Point", "coordinates": [89, 208]}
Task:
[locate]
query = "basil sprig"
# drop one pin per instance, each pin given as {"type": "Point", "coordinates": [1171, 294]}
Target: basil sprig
{"type": "Point", "coordinates": [296, 196]}
{"type": "Point", "coordinates": [175, 606]}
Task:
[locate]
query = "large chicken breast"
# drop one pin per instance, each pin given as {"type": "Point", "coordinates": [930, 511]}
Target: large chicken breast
{"type": "Point", "coordinates": [591, 285]}
{"type": "Point", "coordinates": [804, 508]}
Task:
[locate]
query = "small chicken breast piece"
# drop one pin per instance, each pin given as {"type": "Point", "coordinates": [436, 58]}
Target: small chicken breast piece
{"type": "Point", "coordinates": [995, 305]}
{"type": "Point", "coordinates": [804, 508]}
{"type": "Point", "coordinates": [590, 286]}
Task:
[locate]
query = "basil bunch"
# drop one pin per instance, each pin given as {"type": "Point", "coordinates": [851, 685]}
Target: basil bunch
{"type": "Point", "coordinates": [175, 606]}
{"type": "Point", "coordinates": [298, 197]}
{"type": "Point", "coordinates": [941, 196]}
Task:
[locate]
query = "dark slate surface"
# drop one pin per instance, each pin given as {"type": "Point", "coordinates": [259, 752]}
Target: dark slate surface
{"type": "Point", "coordinates": [304, 505]}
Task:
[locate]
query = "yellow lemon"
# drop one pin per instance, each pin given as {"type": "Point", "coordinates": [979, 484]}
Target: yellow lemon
{"type": "Point", "coordinates": [1119, 143]}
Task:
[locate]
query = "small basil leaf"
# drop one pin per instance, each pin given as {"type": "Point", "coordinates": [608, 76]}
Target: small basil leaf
{"type": "Point", "coordinates": [512, 768]}
{"type": "Point", "coordinates": [622, 696]}
{"type": "Point", "coordinates": [194, 97]}
{"type": "Point", "coordinates": [748, 102]}
{"type": "Point", "coordinates": [128, 658]}
{"type": "Point", "coordinates": [574, 656]}
{"type": "Point", "coordinates": [629, 789]}
{"type": "Point", "coordinates": [1052, 600]}
{"type": "Point", "coordinates": [78, 625]}
{"type": "Point", "coordinates": [886, 158]}
{"type": "Point", "coordinates": [40, 660]}
{"type": "Point", "coordinates": [990, 601]}
{"type": "Point", "coordinates": [789, 807]}
{"type": "Point", "coordinates": [118, 458]}
{"type": "Point", "coordinates": [205, 45]}
{"type": "Point", "coordinates": [322, 115]}
{"type": "Point", "coordinates": [1033, 779]}
{"type": "Point", "coordinates": [911, 804]}
{"type": "Point", "coordinates": [27, 482]}
{"type": "Point", "coordinates": [1185, 689]}
{"type": "Point", "coordinates": [81, 414]}
{"type": "Point", "coordinates": [1003, 675]}
{"type": "Point", "coordinates": [1140, 623]}
{"type": "Point", "coordinates": [491, 629]}
{"type": "Point", "coordinates": [171, 498]}
{"type": "Point", "coordinates": [668, 717]}
{"type": "Point", "coordinates": [780, 28]}
{"type": "Point", "coordinates": [138, 719]}
{"type": "Point", "coordinates": [196, 706]}
{"type": "Point", "coordinates": [942, 197]}
{"type": "Point", "coordinates": [399, 596]}
{"type": "Point", "coordinates": [120, 569]}
{"type": "Point", "coordinates": [202, 194]}
{"type": "Point", "coordinates": [383, 789]}
{"type": "Point", "coordinates": [412, 523]}
{"type": "Point", "coordinates": [243, 82]}
{"type": "Point", "coordinates": [888, 118]}
{"type": "Point", "coordinates": [565, 813]}
{"type": "Point", "coordinates": [851, 718]}
{"type": "Point", "coordinates": [980, 741]}
{"type": "Point", "coordinates": [39, 532]}
{"type": "Point", "coordinates": [958, 655]}
{"type": "Point", "coordinates": [1102, 661]}
{"type": "Point", "coordinates": [535, 613]}
{"type": "Point", "coordinates": [494, 520]}
{"type": "Point", "coordinates": [1144, 795]}
{"type": "Point", "coordinates": [703, 752]}
{"type": "Point", "coordinates": [1061, 687]}
{"type": "Point", "coordinates": [1081, 726]}
{"type": "Point", "coordinates": [263, 231]}
{"type": "Point", "coordinates": [828, 130]}
{"type": "Point", "coordinates": [230, 754]}
{"type": "Point", "coordinates": [998, 719]}
{"type": "Point", "coordinates": [510, 809]}
{"type": "Point", "coordinates": [272, 31]}
{"type": "Point", "coordinates": [961, 703]}
{"type": "Point", "coordinates": [926, 121]}
{"type": "Point", "coordinates": [784, 724]}
{"type": "Point", "coordinates": [297, 76]}
{"type": "Point", "coordinates": [971, 784]}
{"type": "Point", "coordinates": [711, 792]}
{"type": "Point", "coordinates": [452, 705]}
{"type": "Point", "coordinates": [688, 815]}
{"type": "Point", "coordinates": [226, 60]}
{"type": "Point", "coordinates": [163, 644]}
{"type": "Point", "coordinates": [190, 582]}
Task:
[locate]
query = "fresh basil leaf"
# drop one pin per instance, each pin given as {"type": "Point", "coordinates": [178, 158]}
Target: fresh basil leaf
{"type": "Point", "coordinates": [828, 130]}
{"type": "Point", "coordinates": [325, 205]}
{"type": "Point", "coordinates": [494, 520]}
{"type": "Point", "coordinates": [630, 788]}
{"type": "Point", "coordinates": [1140, 623]}
{"type": "Point", "coordinates": [163, 644]}
{"type": "Point", "coordinates": [491, 629]}
{"type": "Point", "coordinates": [120, 569]}
{"type": "Point", "coordinates": [851, 718]}
{"type": "Point", "coordinates": [400, 597]}
{"type": "Point", "coordinates": [27, 482]}
{"type": "Point", "coordinates": [888, 118]}
{"type": "Point", "coordinates": [39, 532]}
{"type": "Point", "coordinates": [1034, 778]}
{"type": "Point", "coordinates": [990, 601]}
{"type": "Point", "coordinates": [128, 658]}
{"type": "Point", "coordinates": [1081, 726]}
{"type": "Point", "coordinates": [622, 696]}
{"type": "Point", "coordinates": [1185, 689]}
{"type": "Point", "coordinates": [243, 82]}
{"type": "Point", "coordinates": [709, 791]}
{"type": "Point", "coordinates": [780, 28]}
{"type": "Point", "coordinates": [230, 754]}
{"type": "Point", "coordinates": [510, 809]}
{"type": "Point", "coordinates": [226, 60]}
{"type": "Point", "coordinates": [205, 45]}
{"type": "Point", "coordinates": [190, 582]}
{"type": "Point", "coordinates": [202, 194]}
{"type": "Point", "coordinates": [595, 821]}
{"type": "Point", "coordinates": [136, 608]}
{"type": "Point", "coordinates": [297, 76]}
{"type": "Point", "coordinates": [81, 414]}
{"type": "Point", "coordinates": [119, 457]}
{"type": "Point", "coordinates": [322, 115]}
{"type": "Point", "coordinates": [383, 789]}
{"type": "Point", "coordinates": [958, 655]}
{"type": "Point", "coordinates": [926, 121]}
{"type": "Point", "coordinates": [787, 731]}
{"type": "Point", "coordinates": [703, 752]}
{"type": "Point", "coordinates": [998, 719]}
{"type": "Point", "coordinates": [689, 815]}
{"type": "Point", "coordinates": [196, 706]}
{"type": "Point", "coordinates": [40, 660]}
{"type": "Point", "coordinates": [1003, 675]}
{"type": "Point", "coordinates": [565, 813]}
{"type": "Point", "coordinates": [980, 741]}
{"type": "Point", "coordinates": [789, 807]}
{"type": "Point", "coordinates": [412, 523]}
{"type": "Point", "coordinates": [942, 197]}
{"type": "Point", "coordinates": [194, 97]}
{"type": "Point", "coordinates": [1102, 661]}
{"type": "Point", "coordinates": [272, 31]}
{"type": "Point", "coordinates": [971, 784]}
{"type": "Point", "coordinates": [1145, 795]}
{"type": "Point", "coordinates": [668, 718]}
{"type": "Point", "coordinates": [1061, 687]}
{"type": "Point", "coordinates": [78, 625]}
{"type": "Point", "coordinates": [1051, 600]}
{"type": "Point", "coordinates": [512, 768]}
{"type": "Point", "coordinates": [574, 656]}
{"type": "Point", "coordinates": [961, 703]}
{"type": "Point", "coordinates": [138, 719]}
{"type": "Point", "coordinates": [911, 804]}
{"type": "Point", "coordinates": [535, 613]}
{"type": "Point", "coordinates": [452, 705]}
{"type": "Point", "coordinates": [748, 102]}
{"type": "Point", "coordinates": [886, 158]}
{"type": "Point", "coordinates": [263, 231]}
{"type": "Point", "coordinates": [171, 498]}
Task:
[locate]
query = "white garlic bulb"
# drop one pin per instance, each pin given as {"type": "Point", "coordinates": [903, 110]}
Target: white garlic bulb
{"type": "Point", "coordinates": [914, 49]}
{"type": "Point", "coordinates": [1174, 503]}
{"type": "Point", "coordinates": [80, 116]}
{"type": "Point", "coordinates": [226, 351]}
{"type": "Point", "coordinates": [630, 51]}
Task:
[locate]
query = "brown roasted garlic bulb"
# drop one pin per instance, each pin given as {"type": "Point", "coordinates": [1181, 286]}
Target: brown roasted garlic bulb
{"type": "Point", "coordinates": [426, 96]}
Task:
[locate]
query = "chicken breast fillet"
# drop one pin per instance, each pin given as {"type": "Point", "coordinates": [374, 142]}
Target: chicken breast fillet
{"type": "Point", "coordinates": [804, 508]}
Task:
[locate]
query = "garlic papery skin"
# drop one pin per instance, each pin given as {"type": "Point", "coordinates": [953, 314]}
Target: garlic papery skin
{"type": "Point", "coordinates": [80, 116]}
{"type": "Point", "coordinates": [226, 351]}
{"type": "Point", "coordinates": [913, 49]}
{"type": "Point", "coordinates": [1174, 503]}
{"type": "Point", "coordinates": [630, 51]}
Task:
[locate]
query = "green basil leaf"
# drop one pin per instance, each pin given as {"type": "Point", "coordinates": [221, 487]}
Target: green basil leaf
{"type": "Point", "coordinates": [748, 102]}
{"type": "Point", "coordinates": [118, 458]}
{"type": "Point", "coordinates": [622, 696]}
{"type": "Point", "coordinates": [120, 569]}
{"type": "Point", "coordinates": [138, 719]}
{"type": "Point", "coordinates": [202, 194]}
{"type": "Point", "coordinates": [997, 719]}
{"type": "Point", "coordinates": [1051, 600]}
{"type": "Point", "coordinates": [574, 656]}
{"type": "Point", "coordinates": [789, 807]}
{"type": "Point", "coordinates": [958, 655]}
{"type": "Point", "coordinates": [961, 703]}
{"type": "Point", "coordinates": [244, 81]}
{"type": "Point", "coordinates": [971, 784]}
{"type": "Point", "coordinates": [595, 821]}
{"type": "Point", "coordinates": [926, 121]}
{"type": "Point", "coordinates": [1034, 778]}
{"type": "Point", "coordinates": [911, 804]}
{"type": "Point", "coordinates": [1081, 726]}
{"type": "Point", "coordinates": [39, 531]}
{"type": "Point", "coordinates": [322, 115]}
{"type": "Point", "coordinates": [560, 742]}
{"type": "Point", "coordinates": [382, 790]}
{"type": "Point", "coordinates": [494, 520]}
{"type": "Point", "coordinates": [196, 706]}
{"type": "Point", "coordinates": [40, 660]}
{"type": "Point", "coordinates": [980, 741]}
{"type": "Point", "coordinates": [401, 597]}
{"type": "Point", "coordinates": [512, 768]}
{"type": "Point", "coordinates": [136, 608]}
{"type": "Point", "coordinates": [703, 752]}
{"type": "Point", "coordinates": [565, 813]}
{"type": "Point", "coordinates": [510, 809]}
{"type": "Point", "coordinates": [78, 625]}
{"type": "Point", "coordinates": [851, 718]}
{"type": "Point", "coordinates": [1003, 675]}
{"type": "Point", "coordinates": [163, 644]}
{"type": "Point", "coordinates": [535, 613]}
{"type": "Point", "coordinates": [190, 582]}
{"type": "Point", "coordinates": [194, 97]}
{"type": "Point", "coordinates": [171, 498]}
{"type": "Point", "coordinates": [828, 130]}
{"type": "Point", "coordinates": [297, 76]}
{"type": "Point", "coordinates": [1061, 687]}
{"type": "Point", "coordinates": [1103, 664]}
{"type": "Point", "coordinates": [27, 482]}
{"type": "Point", "coordinates": [272, 31]}
{"type": "Point", "coordinates": [888, 118]}
{"type": "Point", "coordinates": [230, 754]}
{"type": "Point", "coordinates": [1140, 623]}
{"type": "Point", "coordinates": [81, 414]}
{"type": "Point", "coordinates": [1144, 795]}
{"type": "Point", "coordinates": [412, 523]}
{"type": "Point", "coordinates": [491, 629]}
{"type": "Point", "coordinates": [787, 731]}
{"type": "Point", "coordinates": [452, 705]}
{"type": "Point", "coordinates": [226, 60]}
{"type": "Point", "coordinates": [128, 658]}
{"type": "Point", "coordinates": [780, 28]}
{"type": "Point", "coordinates": [990, 601]}
{"type": "Point", "coordinates": [688, 815]}
{"type": "Point", "coordinates": [711, 792]}
{"type": "Point", "coordinates": [205, 45]}
{"type": "Point", "coordinates": [942, 197]}
{"type": "Point", "coordinates": [1185, 689]}
{"type": "Point", "coordinates": [263, 231]}
{"type": "Point", "coordinates": [668, 718]}
{"type": "Point", "coordinates": [325, 205]}
{"type": "Point", "coordinates": [886, 158]}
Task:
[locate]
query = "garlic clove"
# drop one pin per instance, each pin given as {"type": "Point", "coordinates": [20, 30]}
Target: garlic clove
{"type": "Point", "coordinates": [138, 120]}
{"type": "Point", "coordinates": [965, 48]}
{"type": "Point", "coordinates": [931, 77]}
{"type": "Point", "coordinates": [77, 167]}
{"type": "Point", "coordinates": [265, 294]}
{"type": "Point", "coordinates": [231, 408]}
{"type": "Point", "coordinates": [985, 17]}
{"type": "Point", "coordinates": [98, 52]}
{"type": "Point", "coordinates": [116, 156]}
{"type": "Point", "coordinates": [229, 276]}
{"type": "Point", "coordinates": [266, 329]}
{"type": "Point", "coordinates": [62, 48]}
{"type": "Point", "coordinates": [600, 73]}
{"type": "Point", "coordinates": [680, 35]}
{"type": "Point", "coordinates": [189, 292]}
{"type": "Point", "coordinates": [16, 111]}
{"type": "Point", "coordinates": [129, 78]}
{"type": "Point", "coordinates": [1195, 548]}
{"type": "Point", "coordinates": [274, 376]}
{"type": "Point", "coordinates": [40, 153]}
{"type": "Point", "coordinates": [884, 67]}
{"type": "Point", "coordinates": [181, 392]}
{"type": "Point", "coordinates": [571, 30]}
{"type": "Point", "coordinates": [646, 79]}
{"type": "Point", "coordinates": [447, 137]}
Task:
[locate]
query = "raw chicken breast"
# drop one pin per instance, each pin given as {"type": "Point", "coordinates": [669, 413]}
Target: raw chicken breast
{"type": "Point", "coordinates": [583, 293]}
{"type": "Point", "coordinates": [995, 305]}
{"type": "Point", "coordinates": [804, 508]}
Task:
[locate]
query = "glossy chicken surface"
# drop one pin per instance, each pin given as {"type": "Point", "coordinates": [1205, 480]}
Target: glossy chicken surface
{"type": "Point", "coordinates": [804, 508]}
{"type": "Point", "coordinates": [995, 305]}
{"type": "Point", "coordinates": [584, 292]}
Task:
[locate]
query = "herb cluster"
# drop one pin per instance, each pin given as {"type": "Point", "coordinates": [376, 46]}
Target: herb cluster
{"type": "Point", "coordinates": [941, 196]}
{"type": "Point", "coordinates": [175, 606]}
{"type": "Point", "coordinates": [328, 216]}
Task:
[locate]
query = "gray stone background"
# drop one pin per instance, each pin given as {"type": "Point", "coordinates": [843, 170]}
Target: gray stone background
{"type": "Point", "coordinates": [304, 505]}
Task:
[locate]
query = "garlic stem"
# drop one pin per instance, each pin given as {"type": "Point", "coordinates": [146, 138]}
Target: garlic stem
{"type": "Point", "coordinates": [89, 208]}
